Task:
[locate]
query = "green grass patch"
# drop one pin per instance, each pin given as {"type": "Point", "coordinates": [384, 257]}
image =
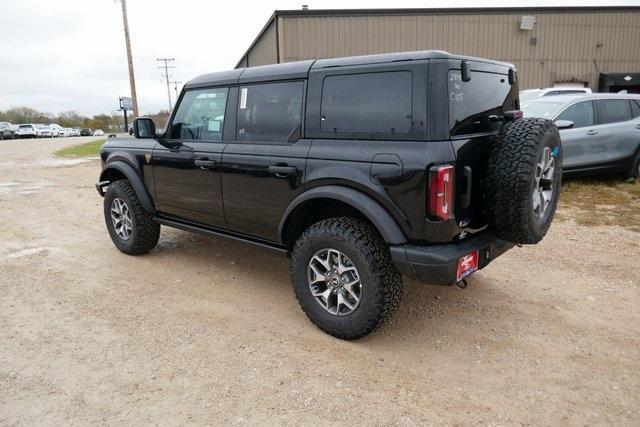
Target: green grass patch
{"type": "Point", "coordinates": [91, 148]}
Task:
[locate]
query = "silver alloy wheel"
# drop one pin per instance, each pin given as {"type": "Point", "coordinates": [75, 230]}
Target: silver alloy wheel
{"type": "Point", "coordinates": [334, 282]}
{"type": "Point", "coordinates": [121, 218]}
{"type": "Point", "coordinates": [543, 190]}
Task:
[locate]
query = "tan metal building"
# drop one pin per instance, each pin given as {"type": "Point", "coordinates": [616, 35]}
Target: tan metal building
{"type": "Point", "coordinates": [598, 47]}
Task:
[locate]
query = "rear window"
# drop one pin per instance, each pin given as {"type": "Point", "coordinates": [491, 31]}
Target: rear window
{"type": "Point", "coordinates": [26, 127]}
{"type": "Point", "coordinates": [613, 110]}
{"type": "Point", "coordinates": [471, 103]}
{"type": "Point", "coordinates": [563, 92]}
{"type": "Point", "coordinates": [367, 103]}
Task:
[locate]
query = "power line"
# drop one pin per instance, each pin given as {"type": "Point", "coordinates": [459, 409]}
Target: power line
{"type": "Point", "coordinates": [166, 75]}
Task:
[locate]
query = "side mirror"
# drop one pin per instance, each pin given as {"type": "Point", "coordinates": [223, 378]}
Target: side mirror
{"type": "Point", "coordinates": [144, 128]}
{"type": "Point", "coordinates": [564, 124]}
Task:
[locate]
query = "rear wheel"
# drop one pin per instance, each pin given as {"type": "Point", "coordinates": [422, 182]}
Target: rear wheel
{"type": "Point", "coordinates": [634, 172]}
{"type": "Point", "coordinates": [131, 228]}
{"type": "Point", "coordinates": [344, 278]}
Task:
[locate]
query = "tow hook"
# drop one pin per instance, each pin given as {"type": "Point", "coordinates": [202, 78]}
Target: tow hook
{"type": "Point", "coordinates": [462, 284]}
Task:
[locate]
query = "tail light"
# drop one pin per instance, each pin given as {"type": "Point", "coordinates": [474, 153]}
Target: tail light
{"type": "Point", "coordinates": [441, 192]}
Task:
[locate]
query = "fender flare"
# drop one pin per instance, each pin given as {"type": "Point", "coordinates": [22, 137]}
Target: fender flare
{"type": "Point", "coordinates": [135, 180]}
{"type": "Point", "coordinates": [379, 216]}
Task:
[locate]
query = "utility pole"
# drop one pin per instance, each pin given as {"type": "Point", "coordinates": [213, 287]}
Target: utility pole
{"type": "Point", "coordinates": [132, 79]}
{"type": "Point", "coordinates": [175, 87]}
{"type": "Point", "coordinates": [166, 75]}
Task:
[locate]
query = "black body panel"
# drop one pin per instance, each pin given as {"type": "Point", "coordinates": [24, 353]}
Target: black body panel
{"type": "Point", "coordinates": [189, 190]}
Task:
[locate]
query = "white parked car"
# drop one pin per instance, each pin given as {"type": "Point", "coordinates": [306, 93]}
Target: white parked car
{"type": "Point", "coordinates": [98, 132]}
{"type": "Point", "coordinates": [27, 131]}
{"type": "Point", "coordinates": [44, 131]}
{"type": "Point", "coordinates": [528, 94]}
{"type": "Point", "coordinates": [55, 129]}
{"type": "Point", "coordinates": [76, 132]}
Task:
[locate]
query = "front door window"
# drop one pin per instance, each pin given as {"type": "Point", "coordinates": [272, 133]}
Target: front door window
{"type": "Point", "coordinates": [200, 115]}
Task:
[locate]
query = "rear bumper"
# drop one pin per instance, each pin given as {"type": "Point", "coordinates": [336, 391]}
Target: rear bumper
{"type": "Point", "coordinates": [437, 264]}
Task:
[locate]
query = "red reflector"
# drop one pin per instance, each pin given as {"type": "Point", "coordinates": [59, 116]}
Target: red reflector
{"type": "Point", "coordinates": [441, 191]}
{"type": "Point", "coordinates": [467, 265]}
{"type": "Point", "coordinates": [513, 115]}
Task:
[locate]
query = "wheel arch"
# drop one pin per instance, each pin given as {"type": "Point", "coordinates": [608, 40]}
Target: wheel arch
{"type": "Point", "coordinates": [119, 169]}
{"type": "Point", "coordinates": [359, 205]}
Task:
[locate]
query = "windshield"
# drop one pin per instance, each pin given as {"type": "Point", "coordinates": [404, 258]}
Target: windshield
{"type": "Point", "coordinates": [539, 108]}
{"type": "Point", "coordinates": [26, 126]}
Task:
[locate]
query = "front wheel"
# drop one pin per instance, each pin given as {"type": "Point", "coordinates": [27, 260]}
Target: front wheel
{"type": "Point", "coordinates": [131, 228]}
{"type": "Point", "coordinates": [344, 278]}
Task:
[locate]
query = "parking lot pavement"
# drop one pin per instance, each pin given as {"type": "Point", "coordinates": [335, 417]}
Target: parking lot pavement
{"type": "Point", "coordinates": [202, 330]}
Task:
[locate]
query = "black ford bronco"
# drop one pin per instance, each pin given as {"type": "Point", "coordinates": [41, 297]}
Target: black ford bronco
{"type": "Point", "coordinates": [360, 169]}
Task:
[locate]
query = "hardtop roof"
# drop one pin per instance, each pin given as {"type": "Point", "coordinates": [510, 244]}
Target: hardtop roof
{"type": "Point", "coordinates": [300, 69]}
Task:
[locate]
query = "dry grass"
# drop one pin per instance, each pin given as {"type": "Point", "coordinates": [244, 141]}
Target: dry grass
{"type": "Point", "coordinates": [601, 201]}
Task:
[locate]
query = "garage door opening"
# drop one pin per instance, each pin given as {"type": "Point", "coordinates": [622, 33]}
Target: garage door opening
{"type": "Point", "coordinates": [616, 82]}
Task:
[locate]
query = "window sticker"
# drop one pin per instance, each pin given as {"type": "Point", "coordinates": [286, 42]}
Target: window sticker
{"type": "Point", "coordinates": [243, 98]}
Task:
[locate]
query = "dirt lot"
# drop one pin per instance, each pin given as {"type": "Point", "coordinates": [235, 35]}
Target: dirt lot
{"type": "Point", "coordinates": [207, 331]}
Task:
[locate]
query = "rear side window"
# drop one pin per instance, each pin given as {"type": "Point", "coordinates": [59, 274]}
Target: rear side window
{"type": "Point", "coordinates": [270, 112]}
{"type": "Point", "coordinates": [635, 108]}
{"type": "Point", "coordinates": [580, 113]}
{"type": "Point", "coordinates": [613, 110]}
{"type": "Point", "coordinates": [367, 103]}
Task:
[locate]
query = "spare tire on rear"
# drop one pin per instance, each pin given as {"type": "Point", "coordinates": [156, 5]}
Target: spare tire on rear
{"type": "Point", "coordinates": [522, 184]}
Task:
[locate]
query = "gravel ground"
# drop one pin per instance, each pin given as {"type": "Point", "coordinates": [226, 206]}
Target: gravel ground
{"type": "Point", "coordinates": [206, 331]}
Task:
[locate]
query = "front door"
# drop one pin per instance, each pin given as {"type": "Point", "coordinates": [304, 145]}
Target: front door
{"type": "Point", "coordinates": [263, 168]}
{"type": "Point", "coordinates": [187, 162]}
{"type": "Point", "coordinates": [579, 143]}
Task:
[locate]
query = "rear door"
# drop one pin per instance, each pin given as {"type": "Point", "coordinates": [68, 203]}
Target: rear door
{"type": "Point", "coordinates": [263, 166]}
{"type": "Point", "coordinates": [617, 133]}
{"type": "Point", "coordinates": [187, 162]}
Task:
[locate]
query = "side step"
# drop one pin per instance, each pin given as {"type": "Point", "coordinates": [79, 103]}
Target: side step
{"type": "Point", "coordinates": [209, 231]}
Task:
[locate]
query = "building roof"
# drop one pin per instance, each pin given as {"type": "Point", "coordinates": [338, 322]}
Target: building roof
{"type": "Point", "coordinates": [429, 11]}
{"type": "Point", "coordinates": [300, 69]}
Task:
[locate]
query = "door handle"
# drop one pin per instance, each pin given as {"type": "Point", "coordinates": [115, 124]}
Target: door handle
{"type": "Point", "coordinates": [592, 132]}
{"type": "Point", "coordinates": [283, 171]}
{"type": "Point", "coordinates": [204, 164]}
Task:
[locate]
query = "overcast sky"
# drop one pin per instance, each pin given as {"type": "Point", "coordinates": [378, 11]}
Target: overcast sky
{"type": "Point", "coordinates": [61, 55]}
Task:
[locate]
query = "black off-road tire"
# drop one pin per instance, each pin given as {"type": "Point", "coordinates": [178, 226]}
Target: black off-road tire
{"type": "Point", "coordinates": [381, 283]}
{"type": "Point", "coordinates": [634, 172]}
{"type": "Point", "coordinates": [145, 231]}
{"type": "Point", "coordinates": [511, 180]}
